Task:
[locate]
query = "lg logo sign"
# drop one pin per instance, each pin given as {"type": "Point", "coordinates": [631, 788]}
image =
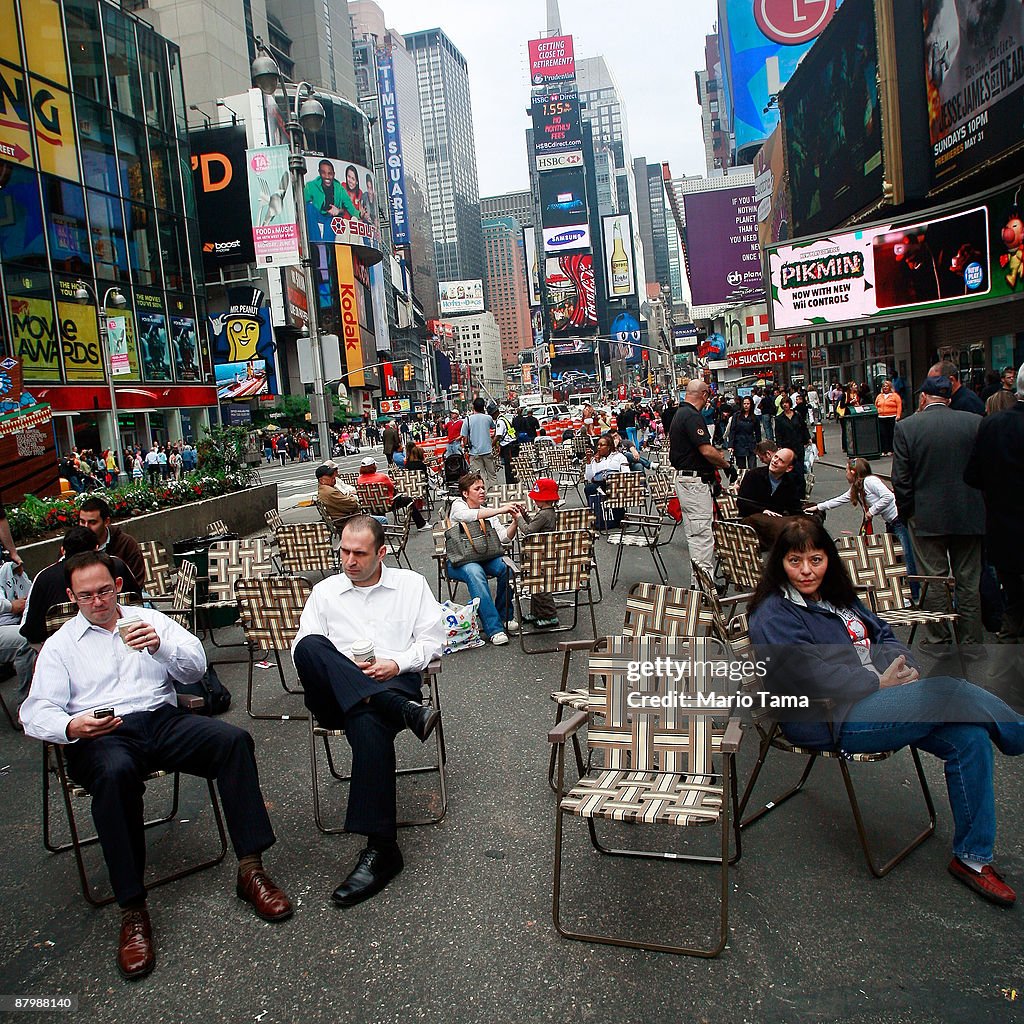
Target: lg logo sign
{"type": "Point", "coordinates": [792, 22]}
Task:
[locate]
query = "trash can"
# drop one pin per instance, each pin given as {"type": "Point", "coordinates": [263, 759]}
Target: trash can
{"type": "Point", "coordinates": [861, 434]}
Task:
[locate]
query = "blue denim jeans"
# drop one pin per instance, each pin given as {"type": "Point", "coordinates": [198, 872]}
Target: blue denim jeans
{"type": "Point", "coordinates": [767, 427]}
{"type": "Point", "coordinates": [493, 613]}
{"type": "Point", "coordinates": [957, 722]}
{"type": "Point", "coordinates": [902, 534]}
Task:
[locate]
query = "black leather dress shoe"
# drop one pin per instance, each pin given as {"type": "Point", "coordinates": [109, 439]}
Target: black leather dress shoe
{"type": "Point", "coordinates": [420, 720]}
{"type": "Point", "coordinates": [373, 871]}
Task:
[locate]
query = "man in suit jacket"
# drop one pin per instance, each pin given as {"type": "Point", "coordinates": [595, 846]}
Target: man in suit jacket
{"type": "Point", "coordinates": [392, 441]}
{"type": "Point", "coordinates": [931, 451]}
{"type": "Point", "coordinates": [996, 468]}
{"type": "Point", "coordinates": [769, 494]}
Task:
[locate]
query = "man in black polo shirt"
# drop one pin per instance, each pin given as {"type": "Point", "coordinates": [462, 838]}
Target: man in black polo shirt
{"type": "Point", "coordinates": [695, 459]}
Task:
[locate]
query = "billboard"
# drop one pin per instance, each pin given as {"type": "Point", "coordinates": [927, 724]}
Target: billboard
{"type": "Point", "coordinates": [771, 192]}
{"type": "Point", "coordinates": [350, 328]}
{"type": "Point", "coordinates": [532, 264]}
{"type": "Point", "coordinates": [341, 204]}
{"type": "Point", "coordinates": [183, 332]}
{"type": "Point", "coordinates": [461, 297]}
{"type": "Point", "coordinates": [959, 255]}
{"type": "Point", "coordinates": [571, 298]}
{"type": "Point", "coordinates": [238, 382]}
{"type": "Point", "coordinates": [722, 255]}
{"type": "Point", "coordinates": [393, 158]}
{"type": "Point", "coordinates": [575, 236]}
{"type": "Point", "coordinates": [556, 124]}
{"type": "Point", "coordinates": [275, 231]}
{"type": "Point", "coordinates": [243, 333]}
{"type": "Point", "coordinates": [761, 44]}
{"type": "Point", "coordinates": [222, 196]}
{"type": "Point", "coordinates": [571, 347]}
{"type": "Point", "coordinates": [563, 198]}
{"type": "Point", "coordinates": [619, 268]}
{"type": "Point", "coordinates": [974, 74]}
{"type": "Point", "coordinates": [832, 123]}
{"type": "Point", "coordinates": [153, 341]}
{"type": "Point", "coordinates": [551, 60]}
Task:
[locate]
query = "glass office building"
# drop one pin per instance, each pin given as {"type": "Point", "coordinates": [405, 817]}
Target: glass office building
{"type": "Point", "coordinates": [95, 186]}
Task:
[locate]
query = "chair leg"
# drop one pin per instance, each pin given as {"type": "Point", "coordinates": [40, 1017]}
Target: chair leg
{"type": "Point", "coordinates": [766, 746]}
{"type": "Point", "coordinates": [881, 870]}
{"type": "Point", "coordinates": [249, 688]}
{"type": "Point", "coordinates": [656, 947]}
{"type": "Point", "coordinates": [7, 712]}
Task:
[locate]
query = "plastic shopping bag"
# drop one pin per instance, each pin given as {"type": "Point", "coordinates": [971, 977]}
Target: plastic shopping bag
{"type": "Point", "coordinates": [462, 626]}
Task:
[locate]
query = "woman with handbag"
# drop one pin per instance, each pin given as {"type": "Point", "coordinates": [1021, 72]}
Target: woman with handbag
{"type": "Point", "coordinates": [474, 547]}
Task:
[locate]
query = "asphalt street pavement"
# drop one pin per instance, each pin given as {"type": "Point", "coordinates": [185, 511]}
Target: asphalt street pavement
{"type": "Point", "coordinates": [464, 934]}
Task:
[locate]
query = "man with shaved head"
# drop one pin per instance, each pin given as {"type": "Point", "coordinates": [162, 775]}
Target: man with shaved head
{"type": "Point", "coordinates": [695, 459]}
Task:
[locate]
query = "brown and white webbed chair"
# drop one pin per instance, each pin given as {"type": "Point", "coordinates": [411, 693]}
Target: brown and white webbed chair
{"type": "Point", "coordinates": [658, 756]}
{"type": "Point", "coordinates": [629, 493]}
{"type": "Point", "coordinates": [270, 610]}
{"type": "Point", "coordinates": [306, 547]}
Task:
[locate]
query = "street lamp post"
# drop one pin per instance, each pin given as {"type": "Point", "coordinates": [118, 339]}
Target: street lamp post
{"type": "Point", "coordinates": [113, 296]}
{"type": "Point", "coordinates": [305, 114]}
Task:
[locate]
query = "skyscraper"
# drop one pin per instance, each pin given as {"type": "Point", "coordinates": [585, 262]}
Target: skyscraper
{"type": "Point", "coordinates": [450, 151]}
{"type": "Point", "coordinates": [506, 286]}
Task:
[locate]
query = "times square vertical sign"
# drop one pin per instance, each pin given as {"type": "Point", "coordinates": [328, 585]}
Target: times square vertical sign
{"type": "Point", "coordinates": [394, 163]}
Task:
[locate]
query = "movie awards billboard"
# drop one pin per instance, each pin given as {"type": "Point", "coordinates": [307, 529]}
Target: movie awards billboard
{"type": "Point", "coordinates": [971, 254]}
{"type": "Point", "coordinates": [551, 60]}
{"type": "Point", "coordinates": [974, 75]}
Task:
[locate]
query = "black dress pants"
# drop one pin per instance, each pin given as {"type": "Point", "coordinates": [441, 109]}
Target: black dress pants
{"type": "Point", "coordinates": [113, 768]}
{"type": "Point", "coordinates": [336, 693]}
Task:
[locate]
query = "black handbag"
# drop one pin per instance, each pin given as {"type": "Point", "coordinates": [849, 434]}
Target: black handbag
{"type": "Point", "coordinates": [471, 542]}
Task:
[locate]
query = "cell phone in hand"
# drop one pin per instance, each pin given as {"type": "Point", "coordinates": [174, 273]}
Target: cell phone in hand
{"type": "Point", "coordinates": [103, 713]}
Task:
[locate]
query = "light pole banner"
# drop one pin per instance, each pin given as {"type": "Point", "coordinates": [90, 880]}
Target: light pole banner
{"type": "Point", "coordinates": [275, 232]}
{"type": "Point", "coordinates": [117, 339]}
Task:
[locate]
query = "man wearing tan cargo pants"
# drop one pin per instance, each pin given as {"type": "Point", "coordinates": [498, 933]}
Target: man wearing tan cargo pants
{"type": "Point", "coordinates": [695, 459]}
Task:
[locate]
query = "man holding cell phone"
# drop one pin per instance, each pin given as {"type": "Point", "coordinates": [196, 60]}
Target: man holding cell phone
{"type": "Point", "coordinates": [104, 687]}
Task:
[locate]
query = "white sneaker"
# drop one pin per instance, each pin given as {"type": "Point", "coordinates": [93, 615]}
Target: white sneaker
{"type": "Point", "coordinates": [499, 639]}
{"type": "Point", "coordinates": [512, 626]}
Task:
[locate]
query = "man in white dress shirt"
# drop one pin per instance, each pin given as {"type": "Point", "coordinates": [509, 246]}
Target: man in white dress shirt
{"type": "Point", "coordinates": [374, 700]}
{"type": "Point", "coordinates": [109, 698]}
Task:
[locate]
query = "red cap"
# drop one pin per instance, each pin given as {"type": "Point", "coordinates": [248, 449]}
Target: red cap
{"type": "Point", "coordinates": [545, 489]}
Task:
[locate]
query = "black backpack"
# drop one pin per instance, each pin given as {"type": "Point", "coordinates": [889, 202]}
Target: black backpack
{"type": "Point", "coordinates": [454, 467]}
{"type": "Point", "coordinates": [215, 695]}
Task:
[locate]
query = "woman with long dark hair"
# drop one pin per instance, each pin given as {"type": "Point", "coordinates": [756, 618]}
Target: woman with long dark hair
{"type": "Point", "coordinates": [744, 434]}
{"type": "Point", "coordinates": [819, 641]}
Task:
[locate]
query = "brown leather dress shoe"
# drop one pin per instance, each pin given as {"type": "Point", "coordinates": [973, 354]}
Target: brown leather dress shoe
{"type": "Point", "coordinates": [135, 954]}
{"type": "Point", "coordinates": [267, 899]}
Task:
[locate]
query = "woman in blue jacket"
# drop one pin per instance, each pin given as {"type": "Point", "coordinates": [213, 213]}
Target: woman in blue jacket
{"type": "Point", "coordinates": [819, 641]}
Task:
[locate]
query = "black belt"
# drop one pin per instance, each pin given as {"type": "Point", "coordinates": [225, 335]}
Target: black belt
{"type": "Point", "coordinates": [692, 472]}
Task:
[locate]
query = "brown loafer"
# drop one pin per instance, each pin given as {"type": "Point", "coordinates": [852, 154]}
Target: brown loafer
{"type": "Point", "coordinates": [135, 954]}
{"type": "Point", "coordinates": [269, 902]}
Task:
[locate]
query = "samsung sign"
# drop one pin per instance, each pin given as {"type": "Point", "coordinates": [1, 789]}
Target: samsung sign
{"type": "Point", "coordinates": [565, 239]}
{"type": "Point", "coordinates": [394, 171]}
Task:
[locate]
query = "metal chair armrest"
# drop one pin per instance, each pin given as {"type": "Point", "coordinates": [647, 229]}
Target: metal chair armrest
{"type": "Point", "coordinates": [575, 645]}
{"type": "Point", "coordinates": [559, 733]}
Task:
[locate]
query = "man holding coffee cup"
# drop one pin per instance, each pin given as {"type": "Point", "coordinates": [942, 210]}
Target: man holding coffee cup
{"type": "Point", "coordinates": [363, 641]}
{"type": "Point", "coordinates": [104, 686]}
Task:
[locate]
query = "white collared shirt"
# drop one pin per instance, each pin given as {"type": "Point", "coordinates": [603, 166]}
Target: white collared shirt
{"type": "Point", "coordinates": [82, 667]}
{"type": "Point", "coordinates": [399, 614]}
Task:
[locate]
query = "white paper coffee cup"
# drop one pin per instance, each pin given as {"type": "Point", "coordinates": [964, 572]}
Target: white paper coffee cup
{"type": "Point", "coordinates": [362, 650]}
{"type": "Point", "coordinates": [127, 624]}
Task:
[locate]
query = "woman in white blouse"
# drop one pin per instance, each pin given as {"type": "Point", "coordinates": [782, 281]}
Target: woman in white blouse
{"type": "Point", "coordinates": [606, 460]}
{"type": "Point", "coordinates": [495, 615]}
{"type": "Point", "coordinates": [871, 494]}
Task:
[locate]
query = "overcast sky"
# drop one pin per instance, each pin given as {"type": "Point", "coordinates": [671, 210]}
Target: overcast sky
{"type": "Point", "coordinates": [653, 48]}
